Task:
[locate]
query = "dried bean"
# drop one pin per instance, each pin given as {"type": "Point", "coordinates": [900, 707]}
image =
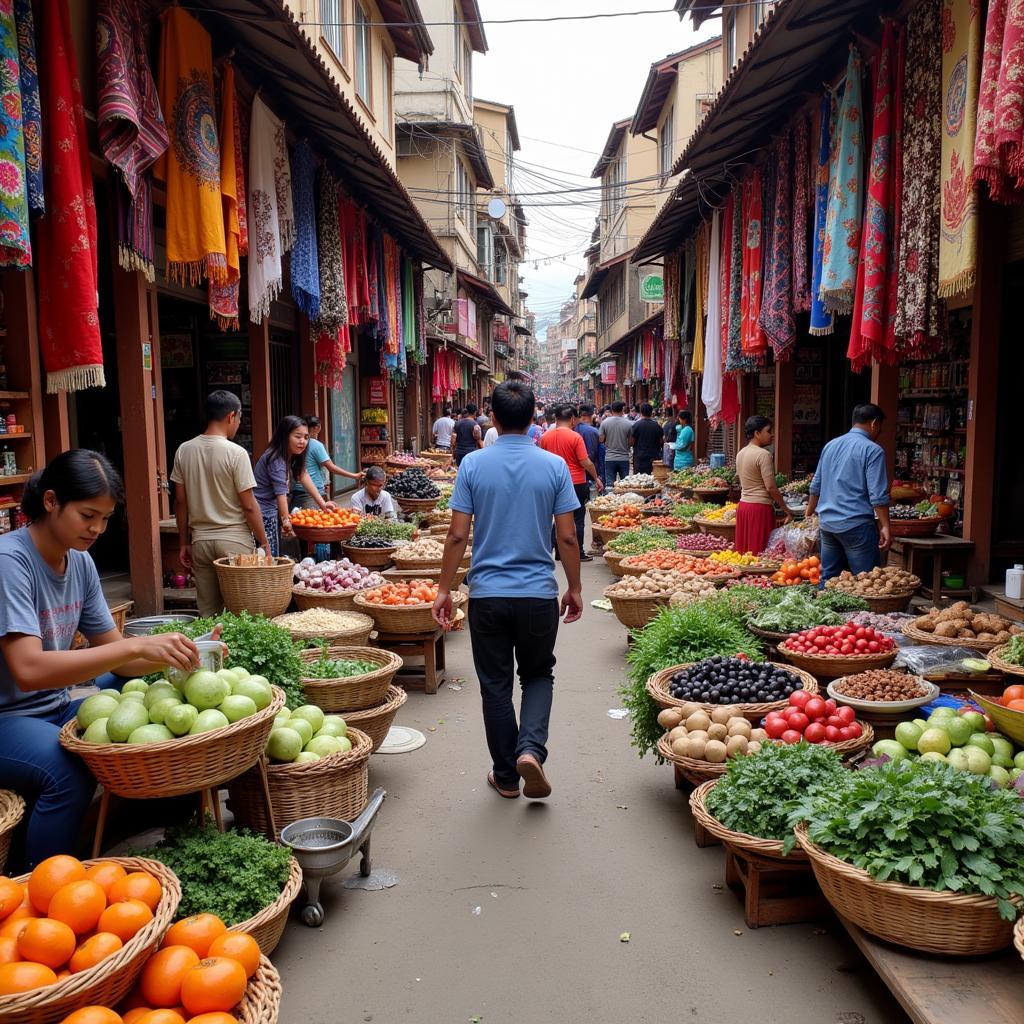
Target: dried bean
{"type": "Point", "coordinates": [880, 685]}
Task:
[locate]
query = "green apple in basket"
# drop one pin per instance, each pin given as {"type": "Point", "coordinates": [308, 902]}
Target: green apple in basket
{"type": "Point", "coordinates": [160, 690]}
{"type": "Point", "coordinates": [310, 713]}
{"type": "Point", "coordinates": [208, 720]}
{"type": "Point", "coordinates": [205, 690]}
{"type": "Point", "coordinates": [128, 716]}
{"type": "Point", "coordinates": [97, 732]}
{"type": "Point", "coordinates": [284, 744]}
{"type": "Point", "coordinates": [324, 746]}
{"type": "Point", "coordinates": [256, 688]}
{"type": "Point", "coordinates": [235, 707]}
{"type": "Point", "coordinates": [180, 718]}
{"type": "Point", "coordinates": [299, 725]}
{"type": "Point", "coordinates": [334, 725]}
{"type": "Point", "coordinates": [151, 734]}
{"type": "Point", "coordinates": [93, 708]}
{"type": "Point", "coordinates": [158, 712]}
{"type": "Point", "coordinates": [135, 686]}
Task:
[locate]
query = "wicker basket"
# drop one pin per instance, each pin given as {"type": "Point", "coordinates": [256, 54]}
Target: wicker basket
{"type": "Point", "coordinates": [324, 534]}
{"type": "Point", "coordinates": [188, 764]}
{"type": "Point", "coordinates": [890, 603]}
{"type": "Point", "coordinates": [354, 636]}
{"type": "Point", "coordinates": [657, 687]}
{"type": "Point", "coordinates": [441, 458]}
{"type": "Point", "coordinates": [831, 666]}
{"type": "Point", "coordinates": [112, 978]}
{"type": "Point", "coordinates": [405, 618]}
{"type": "Point", "coordinates": [261, 1003]}
{"type": "Point", "coordinates": [614, 562]}
{"type": "Point", "coordinates": [439, 516]}
{"type": "Point", "coordinates": [925, 527]}
{"type": "Point", "coordinates": [944, 923]}
{"type": "Point", "coordinates": [421, 506]}
{"type": "Point", "coordinates": [717, 529]}
{"type": "Point", "coordinates": [677, 530]}
{"type": "Point", "coordinates": [12, 810]}
{"type": "Point", "coordinates": [258, 589]}
{"type": "Point", "coordinates": [718, 495]}
{"type": "Point", "coordinates": [1018, 935]}
{"type": "Point", "coordinates": [319, 599]}
{"type": "Point", "coordinates": [351, 693]}
{"type": "Point", "coordinates": [771, 848]}
{"type": "Point", "coordinates": [333, 787]}
{"type": "Point", "coordinates": [694, 553]}
{"type": "Point", "coordinates": [376, 721]}
{"type": "Point", "coordinates": [716, 579]}
{"type": "Point", "coordinates": [372, 558]}
{"type": "Point", "coordinates": [608, 533]}
{"type": "Point", "coordinates": [267, 926]}
{"type": "Point", "coordinates": [696, 772]}
{"type": "Point", "coordinates": [434, 575]}
{"type": "Point", "coordinates": [995, 659]}
{"type": "Point", "coordinates": [910, 630]}
{"type": "Point", "coordinates": [636, 612]}
{"type": "Point", "coordinates": [644, 492]}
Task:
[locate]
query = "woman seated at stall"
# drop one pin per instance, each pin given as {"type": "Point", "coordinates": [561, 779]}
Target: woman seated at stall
{"type": "Point", "coordinates": [372, 499]}
{"type": "Point", "coordinates": [49, 591]}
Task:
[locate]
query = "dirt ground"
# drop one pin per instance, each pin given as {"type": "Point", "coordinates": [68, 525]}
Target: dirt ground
{"type": "Point", "coordinates": [511, 912]}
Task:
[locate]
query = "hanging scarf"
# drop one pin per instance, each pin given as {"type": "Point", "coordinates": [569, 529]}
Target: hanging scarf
{"type": "Point", "coordinates": [845, 198]}
{"type": "Point", "coordinates": [356, 257]}
{"type": "Point", "coordinates": [409, 318]}
{"type": "Point", "coordinates": [15, 245]}
{"type": "Point", "coordinates": [868, 328]}
{"type": "Point", "coordinates": [801, 192]}
{"type": "Point", "coordinates": [687, 273]}
{"type": "Point", "coordinates": [732, 351]}
{"type": "Point", "coordinates": [752, 338]}
{"type": "Point", "coordinates": [69, 325]}
{"type": "Point", "coordinates": [264, 232]}
{"type": "Point", "coordinates": [191, 165]}
{"type": "Point", "coordinates": [305, 273]}
{"type": "Point", "coordinates": [332, 309]}
{"type": "Point", "coordinates": [711, 381]}
{"type": "Point", "coordinates": [961, 57]}
{"type": "Point", "coordinates": [822, 320]}
{"type": "Point", "coordinates": [242, 116]}
{"type": "Point", "coordinates": [700, 296]}
{"type": "Point", "coordinates": [896, 192]}
{"type": "Point", "coordinates": [999, 145]}
{"type": "Point", "coordinates": [919, 311]}
{"type": "Point", "coordinates": [421, 313]}
{"type": "Point", "coordinates": [224, 295]}
{"type": "Point", "coordinates": [671, 272]}
{"type": "Point", "coordinates": [283, 188]}
{"type": "Point", "coordinates": [776, 318]}
{"type": "Point", "coordinates": [725, 292]}
{"type": "Point", "coordinates": [390, 273]}
{"type": "Point", "coordinates": [31, 115]}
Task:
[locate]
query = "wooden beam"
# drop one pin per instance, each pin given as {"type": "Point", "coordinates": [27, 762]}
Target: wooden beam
{"type": "Point", "coordinates": [885, 393]}
{"type": "Point", "coordinates": [784, 417]}
{"type": "Point", "coordinates": [158, 402]}
{"type": "Point", "coordinates": [307, 370]}
{"type": "Point", "coordinates": [21, 353]}
{"type": "Point", "coordinates": [259, 385]}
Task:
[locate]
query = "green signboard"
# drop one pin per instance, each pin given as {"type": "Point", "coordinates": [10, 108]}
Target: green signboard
{"type": "Point", "coordinates": [652, 288]}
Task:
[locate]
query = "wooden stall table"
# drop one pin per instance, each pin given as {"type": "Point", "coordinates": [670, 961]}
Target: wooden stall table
{"type": "Point", "coordinates": [774, 891]}
{"type": "Point", "coordinates": [915, 550]}
{"type": "Point", "coordinates": [428, 646]}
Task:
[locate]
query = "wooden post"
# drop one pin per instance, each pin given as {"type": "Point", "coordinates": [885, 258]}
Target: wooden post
{"type": "Point", "coordinates": [163, 491]}
{"type": "Point", "coordinates": [259, 385]}
{"type": "Point", "coordinates": [885, 393]}
{"type": "Point", "coordinates": [784, 417]}
{"type": "Point", "coordinates": [57, 435]}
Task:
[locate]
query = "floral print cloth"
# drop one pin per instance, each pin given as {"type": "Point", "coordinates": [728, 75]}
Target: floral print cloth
{"type": "Point", "coordinates": [753, 341]}
{"type": "Point", "coordinates": [777, 319]}
{"type": "Point", "coordinates": [305, 273]}
{"type": "Point", "coordinates": [822, 320]}
{"type": "Point", "coordinates": [801, 187]}
{"type": "Point", "coordinates": [31, 114]}
{"type": "Point", "coordinates": [15, 245]}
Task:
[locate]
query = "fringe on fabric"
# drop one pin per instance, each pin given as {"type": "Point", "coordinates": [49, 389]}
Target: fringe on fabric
{"type": "Point", "coordinates": [129, 259]}
{"type": "Point", "coordinates": [214, 266]}
{"type": "Point", "coordinates": [963, 282]}
{"type": "Point", "coordinates": [75, 378]}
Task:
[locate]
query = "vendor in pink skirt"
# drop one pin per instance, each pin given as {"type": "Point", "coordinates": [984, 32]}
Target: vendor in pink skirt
{"type": "Point", "coordinates": [755, 516]}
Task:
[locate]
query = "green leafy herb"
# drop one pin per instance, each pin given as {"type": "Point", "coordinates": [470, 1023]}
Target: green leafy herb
{"type": "Point", "coordinates": [388, 529]}
{"type": "Point", "coordinates": [640, 541]}
{"type": "Point", "coordinates": [1014, 652]}
{"type": "Point", "coordinates": [840, 601]}
{"type": "Point", "coordinates": [797, 609]}
{"type": "Point", "coordinates": [326, 667]}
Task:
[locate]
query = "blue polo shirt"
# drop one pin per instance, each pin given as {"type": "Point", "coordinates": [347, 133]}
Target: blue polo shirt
{"type": "Point", "coordinates": [513, 490]}
{"type": "Point", "coordinates": [851, 481]}
{"type": "Point", "coordinates": [591, 438]}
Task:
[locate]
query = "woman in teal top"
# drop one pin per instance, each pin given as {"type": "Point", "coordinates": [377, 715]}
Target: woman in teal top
{"type": "Point", "coordinates": [683, 443]}
{"type": "Point", "coordinates": [319, 467]}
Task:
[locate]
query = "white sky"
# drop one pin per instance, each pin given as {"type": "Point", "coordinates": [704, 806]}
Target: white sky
{"type": "Point", "coordinates": [569, 81]}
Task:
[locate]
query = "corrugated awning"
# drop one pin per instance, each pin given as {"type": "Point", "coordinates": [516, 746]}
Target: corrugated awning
{"type": "Point", "coordinates": [635, 332]}
{"type": "Point", "coordinates": [593, 283]}
{"type": "Point", "coordinates": [271, 47]}
{"type": "Point", "coordinates": [485, 290]}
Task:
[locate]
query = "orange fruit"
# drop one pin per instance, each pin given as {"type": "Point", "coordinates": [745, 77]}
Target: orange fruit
{"type": "Point", "coordinates": [11, 928]}
{"type": "Point", "coordinates": [23, 977]}
{"type": "Point", "coordinates": [94, 1015]}
{"type": "Point", "coordinates": [196, 932]}
{"type": "Point", "coordinates": [161, 978]}
{"type": "Point", "coordinates": [11, 896]}
{"type": "Point", "coordinates": [132, 1016]}
{"type": "Point", "coordinates": [46, 942]}
{"type": "Point", "coordinates": [139, 885]}
{"type": "Point", "coordinates": [78, 905]}
{"type": "Point", "coordinates": [125, 919]}
{"type": "Point", "coordinates": [213, 1018]}
{"type": "Point", "coordinates": [238, 946]}
{"type": "Point", "coordinates": [50, 875]}
{"type": "Point", "coordinates": [163, 1016]}
{"type": "Point", "coordinates": [94, 949]}
{"type": "Point", "coordinates": [105, 874]}
{"type": "Point", "coordinates": [9, 950]}
{"type": "Point", "coordinates": [217, 983]}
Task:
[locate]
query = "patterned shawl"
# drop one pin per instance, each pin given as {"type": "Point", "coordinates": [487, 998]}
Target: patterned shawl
{"type": "Point", "coordinates": [69, 323]}
{"type": "Point", "coordinates": [896, 218]}
{"type": "Point", "coordinates": [735, 360]}
{"type": "Point", "coordinates": [845, 198]}
{"type": "Point", "coordinates": [389, 275]}
{"type": "Point", "coordinates": [671, 272]}
{"type": "Point", "coordinates": [822, 320]}
{"type": "Point", "coordinates": [264, 233]}
{"type": "Point", "coordinates": [700, 295]}
{"type": "Point", "coordinates": [283, 188]}
{"type": "Point", "coordinates": [410, 319]}
{"type": "Point", "coordinates": [332, 305]}
{"type": "Point", "coordinates": [801, 190]}
{"type": "Point", "coordinates": [15, 244]}
{"type": "Point", "coordinates": [919, 311]}
{"type": "Point", "coordinates": [711, 365]}
{"type": "Point", "coordinates": [31, 115]}
{"type": "Point", "coordinates": [305, 273]}
{"type": "Point", "coordinates": [961, 56]}
{"type": "Point", "coordinates": [776, 319]}
{"type": "Point", "coordinates": [224, 296]}
{"type": "Point", "coordinates": [357, 264]}
{"type": "Point", "coordinates": [753, 341]}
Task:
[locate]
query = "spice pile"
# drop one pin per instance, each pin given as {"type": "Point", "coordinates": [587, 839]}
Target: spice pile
{"type": "Point", "coordinates": [880, 685]}
{"type": "Point", "coordinates": [423, 550]}
{"type": "Point", "coordinates": [321, 620]}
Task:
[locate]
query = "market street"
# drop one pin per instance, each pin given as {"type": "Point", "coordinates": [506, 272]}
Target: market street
{"type": "Point", "coordinates": [556, 884]}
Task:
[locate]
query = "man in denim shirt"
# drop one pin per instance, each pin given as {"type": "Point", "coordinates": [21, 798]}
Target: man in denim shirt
{"type": "Point", "coordinates": [849, 490]}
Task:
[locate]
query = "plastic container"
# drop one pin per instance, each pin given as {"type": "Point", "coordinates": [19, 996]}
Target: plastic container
{"type": "Point", "coordinates": [1015, 583]}
{"type": "Point", "coordinates": [717, 460]}
{"type": "Point", "coordinates": [211, 657]}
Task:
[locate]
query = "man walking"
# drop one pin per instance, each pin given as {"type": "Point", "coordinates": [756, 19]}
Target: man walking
{"type": "Point", "coordinates": [614, 435]}
{"type": "Point", "coordinates": [849, 490]}
{"type": "Point", "coordinates": [512, 491]}
{"type": "Point", "coordinates": [214, 504]}
{"type": "Point", "coordinates": [442, 430]}
{"type": "Point", "coordinates": [467, 436]}
{"type": "Point", "coordinates": [647, 439]}
{"type": "Point", "coordinates": [591, 437]}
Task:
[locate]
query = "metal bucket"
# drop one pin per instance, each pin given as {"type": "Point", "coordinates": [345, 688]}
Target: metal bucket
{"type": "Point", "coordinates": [144, 626]}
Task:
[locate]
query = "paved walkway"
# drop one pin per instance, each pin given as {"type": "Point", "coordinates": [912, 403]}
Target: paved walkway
{"type": "Point", "coordinates": [510, 912]}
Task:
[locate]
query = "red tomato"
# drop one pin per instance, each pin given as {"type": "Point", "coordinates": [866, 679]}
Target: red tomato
{"type": "Point", "coordinates": [799, 698]}
{"type": "Point", "coordinates": [847, 714]}
{"type": "Point", "coordinates": [775, 728]}
{"type": "Point", "coordinates": [832, 734]}
{"type": "Point", "coordinates": [831, 705]}
{"type": "Point", "coordinates": [846, 733]}
{"type": "Point", "coordinates": [855, 730]}
{"type": "Point", "coordinates": [1015, 692]}
{"type": "Point", "coordinates": [832, 649]}
{"type": "Point", "coordinates": [1015, 705]}
{"type": "Point", "coordinates": [791, 736]}
{"type": "Point", "coordinates": [814, 708]}
{"type": "Point", "coordinates": [835, 720]}
{"type": "Point", "coordinates": [821, 641]}
{"type": "Point", "coordinates": [861, 646]}
{"type": "Point", "coordinates": [861, 633]}
{"type": "Point", "coordinates": [873, 647]}
{"type": "Point", "coordinates": [814, 733]}
{"type": "Point", "coordinates": [847, 648]}
{"type": "Point", "coordinates": [799, 721]}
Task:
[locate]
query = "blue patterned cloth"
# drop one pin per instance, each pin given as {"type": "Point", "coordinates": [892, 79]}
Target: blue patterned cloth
{"type": "Point", "coordinates": [15, 246]}
{"type": "Point", "coordinates": [822, 321]}
{"type": "Point", "coordinates": [305, 262]}
{"type": "Point", "coordinates": [31, 115]}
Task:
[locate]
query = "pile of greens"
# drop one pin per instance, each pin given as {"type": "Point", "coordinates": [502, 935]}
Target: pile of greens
{"type": "Point", "coordinates": [691, 509]}
{"type": "Point", "coordinates": [797, 609]}
{"type": "Point", "coordinates": [1014, 652]}
{"type": "Point", "coordinates": [757, 793]}
{"type": "Point", "coordinates": [233, 874]}
{"type": "Point", "coordinates": [638, 542]}
{"type": "Point", "coordinates": [677, 636]}
{"type": "Point", "coordinates": [326, 667]}
{"type": "Point", "coordinates": [385, 529]}
{"type": "Point", "coordinates": [255, 643]}
{"type": "Point", "coordinates": [840, 601]}
{"type": "Point", "coordinates": [927, 824]}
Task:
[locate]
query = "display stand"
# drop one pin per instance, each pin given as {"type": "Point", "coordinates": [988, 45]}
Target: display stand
{"type": "Point", "coordinates": [915, 549]}
{"type": "Point", "coordinates": [774, 891]}
{"type": "Point", "coordinates": [701, 836]}
{"type": "Point", "coordinates": [428, 646]}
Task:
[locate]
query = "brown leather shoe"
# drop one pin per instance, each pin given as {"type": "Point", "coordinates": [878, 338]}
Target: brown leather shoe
{"type": "Point", "coordinates": [508, 794]}
{"type": "Point", "coordinates": [535, 782]}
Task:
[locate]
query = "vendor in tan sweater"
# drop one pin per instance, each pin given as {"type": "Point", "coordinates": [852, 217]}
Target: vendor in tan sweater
{"type": "Point", "coordinates": [755, 516]}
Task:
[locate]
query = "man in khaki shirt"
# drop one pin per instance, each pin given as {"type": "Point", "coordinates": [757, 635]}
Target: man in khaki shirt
{"type": "Point", "coordinates": [214, 505]}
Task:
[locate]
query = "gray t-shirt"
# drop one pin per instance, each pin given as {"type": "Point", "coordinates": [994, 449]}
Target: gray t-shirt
{"type": "Point", "coordinates": [615, 435]}
{"type": "Point", "coordinates": [37, 601]}
{"type": "Point", "coordinates": [271, 474]}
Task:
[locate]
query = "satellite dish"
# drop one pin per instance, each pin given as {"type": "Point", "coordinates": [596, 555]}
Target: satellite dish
{"type": "Point", "coordinates": [496, 208]}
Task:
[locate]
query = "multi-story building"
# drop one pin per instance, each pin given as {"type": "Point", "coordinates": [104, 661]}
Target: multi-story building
{"type": "Point", "coordinates": [740, 23]}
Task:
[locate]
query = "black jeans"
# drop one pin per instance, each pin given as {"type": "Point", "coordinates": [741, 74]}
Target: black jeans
{"type": "Point", "coordinates": [643, 463]}
{"type": "Point", "coordinates": [506, 632]}
{"type": "Point", "coordinates": [579, 517]}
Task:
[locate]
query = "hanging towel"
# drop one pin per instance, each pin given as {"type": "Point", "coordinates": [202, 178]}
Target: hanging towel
{"type": "Point", "coordinates": [919, 311]}
{"type": "Point", "coordinates": [264, 233]}
{"type": "Point", "coordinates": [711, 382]}
{"type": "Point", "coordinates": [776, 318]}
{"type": "Point", "coordinates": [15, 244]}
{"type": "Point", "coordinates": [961, 66]}
{"type": "Point", "coordinates": [700, 296]}
{"type": "Point", "coordinates": [283, 188]}
{"type": "Point", "coordinates": [69, 325]}
{"type": "Point", "coordinates": [822, 320]}
{"type": "Point", "coordinates": [31, 115]}
{"type": "Point", "coordinates": [305, 273]}
{"type": "Point", "coordinates": [753, 341]}
{"type": "Point", "coordinates": [800, 189]}
{"type": "Point", "coordinates": [224, 296]}
{"type": "Point", "coordinates": [845, 197]}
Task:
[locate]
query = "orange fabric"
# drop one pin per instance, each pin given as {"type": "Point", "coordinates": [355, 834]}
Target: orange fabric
{"type": "Point", "coordinates": [224, 296]}
{"type": "Point", "coordinates": [569, 446]}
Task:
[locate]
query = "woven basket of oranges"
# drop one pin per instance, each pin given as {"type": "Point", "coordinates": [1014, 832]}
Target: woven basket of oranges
{"type": "Point", "coordinates": [323, 526]}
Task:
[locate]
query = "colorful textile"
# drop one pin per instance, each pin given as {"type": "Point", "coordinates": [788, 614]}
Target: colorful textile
{"type": "Point", "coordinates": [700, 296]}
{"type": "Point", "coordinates": [31, 114]}
{"type": "Point", "coordinates": [410, 319]}
{"type": "Point", "coordinates": [822, 320]}
{"type": "Point", "coordinates": [357, 266]}
{"type": "Point", "coordinates": [999, 144]}
{"type": "Point", "coordinates": [753, 340]}
{"type": "Point", "coordinates": [961, 65]}
{"type": "Point", "coordinates": [801, 191]}
{"type": "Point", "coordinates": [305, 273]}
{"type": "Point", "coordinates": [224, 295]}
{"type": "Point", "coordinates": [776, 317]}
{"type": "Point", "coordinates": [711, 381]}
{"type": "Point", "coordinates": [735, 360]}
{"type": "Point", "coordinates": [69, 323]}
{"type": "Point", "coordinates": [919, 311]}
{"type": "Point", "coordinates": [264, 232]}
{"type": "Point", "coordinates": [332, 307]}
{"type": "Point", "coordinates": [242, 117]}
{"type": "Point", "coordinates": [671, 279]}
{"type": "Point", "coordinates": [845, 197]}
{"type": "Point", "coordinates": [389, 251]}
{"type": "Point", "coordinates": [15, 244]}
{"type": "Point", "coordinates": [191, 164]}
{"type": "Point", "coordinates": [283, 188]}
{"type": "Point", "coordinates": [896, 217]}
{"type": "Point", "coordinates": [868, 329]}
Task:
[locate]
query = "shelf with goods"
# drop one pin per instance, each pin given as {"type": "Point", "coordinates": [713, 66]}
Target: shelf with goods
{"type": "Point", "coordinates": [374, 438]}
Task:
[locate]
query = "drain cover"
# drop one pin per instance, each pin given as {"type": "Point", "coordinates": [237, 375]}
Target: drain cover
{"type": "Point", "coordinates": [401, 739]}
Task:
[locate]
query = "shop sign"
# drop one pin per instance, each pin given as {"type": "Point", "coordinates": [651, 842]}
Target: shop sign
{"type": "Point", "coordinates": [609, 373]}
{"type": "Point", "coordinates": [378, 391]}
{"type": "Point", "coordinates": [147, 356]}
{"type": "Point", "coordinates": [652, 288]}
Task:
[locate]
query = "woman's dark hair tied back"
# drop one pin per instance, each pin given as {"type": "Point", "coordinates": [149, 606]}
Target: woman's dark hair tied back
{"type": "Point", "coordinates": [75, 475]}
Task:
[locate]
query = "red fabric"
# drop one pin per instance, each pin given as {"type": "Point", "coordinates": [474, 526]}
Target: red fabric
{"type": "Point", "coordinates": [896, 199]}
{"type": "Point", "coordinates": [352, 223]}
{"type": "Point", "coordinates": [569, 446]}
{"type": "Point", "coordinates": [754, 524]}
{"type": "Point", "coordinates": [753, 340]}
{"type": "Point", "coordinates": [730, 410]}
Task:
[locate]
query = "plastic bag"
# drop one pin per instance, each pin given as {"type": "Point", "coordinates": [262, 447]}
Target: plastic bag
{"type": "Point", "coordinates": [800, 538]}
{"type": "Point", "coordinates": [932, 661]}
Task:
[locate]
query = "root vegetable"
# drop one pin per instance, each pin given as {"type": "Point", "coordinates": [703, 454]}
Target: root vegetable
{"type": "Point", "coordinates": [699, 721]}
{"type": "Point", "coordinates": [669, 718]}
{"type": "Point", "coordinates": [736, 746]}
{"type": "Point", "coordinates": [715, 751]}
{"type": "Point", "coordinates": [717, 731]}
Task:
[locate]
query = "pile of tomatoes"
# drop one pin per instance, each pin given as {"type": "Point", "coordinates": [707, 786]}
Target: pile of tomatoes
{"type": "Point", "coordinates": [792, 573]}
{"type": "Point", "coordinates": [847, 639]}
{"type": "Point", "coordinates": [415, 592]}
{"type": "Point", "coordinates": [1012, 697]}
{"type": "Point", "coordinates": [323, 518]}
{"type": "Point", "coordinates": [813, 719]}
{"type": "Point", "coordinates": [672, 521]}
{"type": "Point", "coordinates": [626, 518]}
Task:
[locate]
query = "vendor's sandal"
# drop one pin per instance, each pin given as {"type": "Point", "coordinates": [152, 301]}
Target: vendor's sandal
{"type": "Point", "coordinates": [508, 794]}
{"type": "Point", "coordinates": [535, 782]}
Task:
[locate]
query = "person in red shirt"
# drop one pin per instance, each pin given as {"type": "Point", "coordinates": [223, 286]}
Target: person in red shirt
{"type": "Point", "coordinates": [563, 441]}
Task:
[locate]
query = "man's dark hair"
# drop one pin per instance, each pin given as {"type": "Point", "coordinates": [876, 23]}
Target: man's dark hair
{"type": "Point", "coordinates": [755, 424]}
{"type": "Point", "coordinates": [618, 406]}
{"type": "Point", "coordinates": [312, 421]}
{"type": "Point", "coordinates": [867, 413]}
{"type": "Point", "coordinates": [586, 410]}
{"type": "Point", "coordinates": [220, 405]}
{"type": "Point", "coordinates": [470, 409]}
{"type": "Point", "coordinates": [513, 404]}
{"type": "Point", "coordinates": [376, 473]}
{"type": "Point", "coordinates": [550, 415]}
{"type": "Point", "coordinates": [684, 415]}
{"type": "Point", "coordinates": [646, 409]}
{"type": "Point", "coordinates": [565, 412]}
